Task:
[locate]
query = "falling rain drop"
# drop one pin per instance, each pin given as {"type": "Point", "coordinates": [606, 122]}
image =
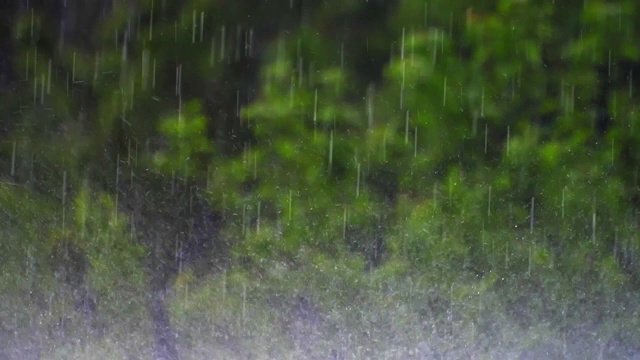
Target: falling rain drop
{"type": "Point", "coordinates": [244, 304]}
{"type": "Point", "coordinates": [315, 112]}
{"type": "Point", "coordinates": [482, 103]}
{"type": "Point", "coordinates": [223, 36]}
{"type": "Point", "coordinates": [193, 28]}
{"type": "Point", "coordinates": [370, 94]}
{"type": "Point", "coordinates": [444, 95]}
{"type": "Point", "coordinates": [344, 225]}
{"type": "Point", "coordinates": [562, 203]}
{"type": "Point", "coordinates": [26, 67]}
{"type": "Point", "coordinates": [415, 142]}
{"type": "Point", "coordinates": [489, 203]}
{"type": "Point", "coordinates": [13, 160]}
{"type": "Point", "coordinates": [593, 221]}
{"type": "Point", "coordinates": [330, 152]}
{"type": "Point", "coordinates": [64, 198]}
{"type": "Point", "coordinates": [42, 87]}
{"type": "Point", "coordinates": [531, 218]}
{"type": "Point", "coordinates": [486, 137]}
{"type": "Point", "coordinates": [49, 78]}
{"type": "Point", "coordinates": [151, 22]}
{"type": "Point", "coordinates": [153, 81]}
{"type": "Point", "coordinates": [201, 26]}
{"type": "Point", "coordinates": [530, 255]}
{"type": "Point", "coordinates": [508, 138]}
{"type": "Point", "coordinates": [73, 68]}
{"type": "Point", "coordinates": [403, 70]}
{"type": "Point", "coordinates": [258, 218]}
{"type": "Point", "coordinates": [406, 128]}
{"type": "Point", "coordinates": [358, 180]}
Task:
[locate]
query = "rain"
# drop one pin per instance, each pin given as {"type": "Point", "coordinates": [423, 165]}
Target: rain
{"type": "Point", "coordinates": [312, 179]}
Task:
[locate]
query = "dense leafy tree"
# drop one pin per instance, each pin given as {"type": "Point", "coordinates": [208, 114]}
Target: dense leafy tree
{"type": "Point", "coordinates": [471, 153]}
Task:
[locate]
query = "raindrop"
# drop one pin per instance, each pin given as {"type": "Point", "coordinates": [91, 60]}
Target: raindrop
{"type": "Point", "coordinates": [424, 21]}
{"type": "Point", "coordinates": [413, 42]}
{"type": "Point", "coordinates": [609, 67]}
{"type": "Point", "coordinates": [223, 31]}
{"type": "Point", "coordinates": [435, 45]}
{"type": "Point", "coordinates": [201, 26]}
{"type": "Point", "coordinates": [315, 110]}
{"type": "Point", "coordinates": [562, 203]}
{"type": "Point", "coordinates": [508, 138]}
{"type": "Point", "coordinates": [151, 22]}
{"type": "Point", "coordinates": [482, 103]}
{"type": "Point", "coordinates": [593, 221]}
{"type": "Point", "coordinates": [474, 123]}
{"type": "Point", "coordinates": [573, 98]}
{"type": "Point", "coordinates": [244, 304]}
{"type": "Point", "coordinates": [49, 77]}
{"type": "Point", "coordinates": [406, 128]}
{"type": "Point", "coordinates": [250, 43]}
{"type": "Point", "coordinates": [482, 236]}
{"type": "Point", "coordinates": [506, 255]}
{"type": "Point", "coordinates": [178, 79]}
{"type": "Point", "coordinates": [42, 86]}
{"type": "Point", "coordinates": [244, 219]}
{"type": "Point", "coordinates": [73, 68]}
{"type": "Point", "coordinates": [290, 204]}
{"type": "Point", "coordinates": [64, 198]}
{"type": "Point", "coordinates": [224, 285]}
{"type": "Point", "coordinates": [489, 203]}
{"type": "Point", "coordinates": [238, 41]}
{"type": "Point", "coordinates": [330, 152]}
{"type": "Point", "coordinates": [153, 81]}
{"type": "Point", "coordinates": [212, 53]}
{"type": "Point", "coordinates": [291, 91]}
{"type": "Point", "coordinates": [96, 65]}
{"type": "Point", "coordinates": [35, 63]}
{"type": "Point", "coordinates": [13, 160]}
{"type": "Point", "coordinates": [358, 180]}
{"type": "Point", "coordinates": [370, 94]}
{"type": "Point", "coordinates": [193, 28]}
{"type": "Point", "coordinates": [255, 166]}
{"type": "Point", "coordinates": [530, 255]}
{"type": "Point", "coordinates": [403, 69]}
{"type": "Point", "coordinates": [258, 218]}
{"type": "Point", "coordinates": [384, 147]}
{"type": "Point", "coordinates": [444, 95]}
{"type": "Point", "coordinates": [32, 15]}
{"type": "Point", "coordinates": [531, 220]}
{"type": "Point", "coordinates": [27, 67]}
{"type": "Point", "coordinates": [613, 143]}
{"type": "Point", "coordinates": [344, 225]}
{"type": "Point", "coordinates": [145, 68]}
{"type": "Point", "coordinates": [402, 85]}
{"type": "Point", "coordinates": [415, 142]}
{"type": "Point", "coordinates": [486, 137]}
{"type": "Point", "coordinates": [300, 70]}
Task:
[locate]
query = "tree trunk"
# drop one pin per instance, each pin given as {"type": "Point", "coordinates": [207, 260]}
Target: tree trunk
{"type": "Point", "coordinates": [164, 338]}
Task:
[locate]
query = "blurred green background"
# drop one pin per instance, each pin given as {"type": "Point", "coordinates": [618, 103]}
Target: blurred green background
{"type": "Point", "coordinates": [319, 179]}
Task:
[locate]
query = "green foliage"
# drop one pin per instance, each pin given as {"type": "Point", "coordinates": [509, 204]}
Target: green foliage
{"type": "Point", "coordinates": [492, 163]}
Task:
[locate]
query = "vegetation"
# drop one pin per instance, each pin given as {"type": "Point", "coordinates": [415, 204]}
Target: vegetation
{"type": "Point", "coordinates": [313, 179]}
